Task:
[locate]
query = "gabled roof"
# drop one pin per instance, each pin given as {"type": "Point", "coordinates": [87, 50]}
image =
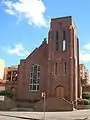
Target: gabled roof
{"type": "Point", "coordinates": [43, 43]}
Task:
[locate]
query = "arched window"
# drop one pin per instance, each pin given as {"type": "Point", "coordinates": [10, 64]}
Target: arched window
{"type": "Point", "coordinates": [64, 41]}
{"type": "Point", "coordinates": [57, 41]}
{"type": "Point", "coordinates": [64, 45]}
{"type": "Point", "coordinates": [55, 69]}
{"type": "Point", "coordinates": [34, 77]}
{"type": "Point", "coordinates": [65, 67]}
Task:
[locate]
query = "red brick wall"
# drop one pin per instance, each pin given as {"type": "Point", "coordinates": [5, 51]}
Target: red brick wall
{"type": "Point", "coordinates": [46, 56]}
{"type": "Point", "coordinates": [69, 80]}
{"type": "Point", "coordinates": [39, 57]}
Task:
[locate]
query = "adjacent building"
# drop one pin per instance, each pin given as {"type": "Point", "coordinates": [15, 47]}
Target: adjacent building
{"type": "Point", "coordinates": [10, 73]}
{"type": "Point", "coordinates": [2, 84]}
{"type": "Point", "coordinates": [11, 77]}
{"type": "Point", "coordinates": [84, 78]}
{"type": "Point", "coordinates": [53, 67]}
{"type": "Point", "coordinates": [2, 87]}
{"type": "Point", "coordinates": [2, 66]}
{"type": "Point", "coordinates": [84, 74]}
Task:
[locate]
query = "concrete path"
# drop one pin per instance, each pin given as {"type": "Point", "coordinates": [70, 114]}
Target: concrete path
{"type": "Point", "coordinates": [72, 115]}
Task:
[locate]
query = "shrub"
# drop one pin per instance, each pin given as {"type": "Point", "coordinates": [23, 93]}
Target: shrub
{"type": "Point", "coordinates": [86, 95]}
{"type": "Point", "coordinates": [5, 93]}
{"type": "Point", "coordinates": [83, 102]}
{"type": "Point", "coordinates": [80, 101]}
{"type": "Point", "coordinates": [86, 102]}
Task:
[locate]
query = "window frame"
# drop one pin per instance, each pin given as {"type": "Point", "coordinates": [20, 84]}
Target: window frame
{"type": "Point", "coordinates": [32, 82]}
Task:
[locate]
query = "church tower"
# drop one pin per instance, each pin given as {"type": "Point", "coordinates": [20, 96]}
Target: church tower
{"type": "Point", "coordinates": [63, 59]}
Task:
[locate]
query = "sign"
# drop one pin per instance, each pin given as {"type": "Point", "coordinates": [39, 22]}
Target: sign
{"type": "Point", "coordinates": [43, 94]}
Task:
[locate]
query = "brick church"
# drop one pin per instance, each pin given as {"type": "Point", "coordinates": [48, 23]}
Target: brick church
{"type": "Point", "coordinates": [53, 67]}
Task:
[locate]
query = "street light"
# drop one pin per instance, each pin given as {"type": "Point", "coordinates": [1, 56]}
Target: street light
{"type": "Point", "coordinates": [44, 102]}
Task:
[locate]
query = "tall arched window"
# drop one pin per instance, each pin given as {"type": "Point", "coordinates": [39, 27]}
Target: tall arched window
{"type": "Point", "coordinates": [64, 41]}
{"type": "Point", "coordinates": [57, 41]}
{"type": "Point", "coordinates": [55, 68]}
{"type": "Point", "coordinates": [65, 67]}
{"type": "Point", "coordinates": [34, 77]}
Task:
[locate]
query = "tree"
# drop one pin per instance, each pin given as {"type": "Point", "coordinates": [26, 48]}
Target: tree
{"type": "Point", "coordinates": [6, 93]}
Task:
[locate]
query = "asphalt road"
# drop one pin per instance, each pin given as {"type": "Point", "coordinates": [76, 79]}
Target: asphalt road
{"type": "Point", "coordinates": [73, 115]}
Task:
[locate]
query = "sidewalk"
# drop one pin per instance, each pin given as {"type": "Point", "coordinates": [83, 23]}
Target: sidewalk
{"type": "Point", "coordinates": [71, 115]}
{"type": "Point", "coordinates": [27, 118]}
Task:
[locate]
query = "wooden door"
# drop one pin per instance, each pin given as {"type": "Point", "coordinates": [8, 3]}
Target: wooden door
{"type": "Point", "coordinates": [60, 92]}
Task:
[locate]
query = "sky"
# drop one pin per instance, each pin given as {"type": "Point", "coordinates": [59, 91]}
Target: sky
{"type": "Point", "coordinates": [25, 23]}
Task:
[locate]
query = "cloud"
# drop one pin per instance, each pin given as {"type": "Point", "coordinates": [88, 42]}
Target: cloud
{"type": "Point", "coordinates": [87, 46]}
{"type": "Point", "coordinates": [84, 54]}
{"type": "Point", "coordinates": [85, 57]}
{"type": "Point", "coordinates": [17, 49]}
{"type": "Point", "coordinates": [32, 10]}
{"type": "Point", "coordinates": [9, 12]}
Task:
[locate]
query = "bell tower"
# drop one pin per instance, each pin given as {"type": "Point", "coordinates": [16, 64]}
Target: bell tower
{"type": "Point", "coordinates": [63, 59]}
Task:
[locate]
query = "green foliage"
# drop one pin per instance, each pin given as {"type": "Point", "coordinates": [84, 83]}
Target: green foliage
{"type": "Point", "coordinates": [86, 95]}
{"type": "Point", "coordinates": [5, 93]}
{"type": "Point", "coordinates": [79, 101]}
{"type": "Point", "coordinates": [85, 99]}
{"type": "Point", "coordinates": [83, 102]}
{"type": "Point", "coordinates": [86, 102]}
